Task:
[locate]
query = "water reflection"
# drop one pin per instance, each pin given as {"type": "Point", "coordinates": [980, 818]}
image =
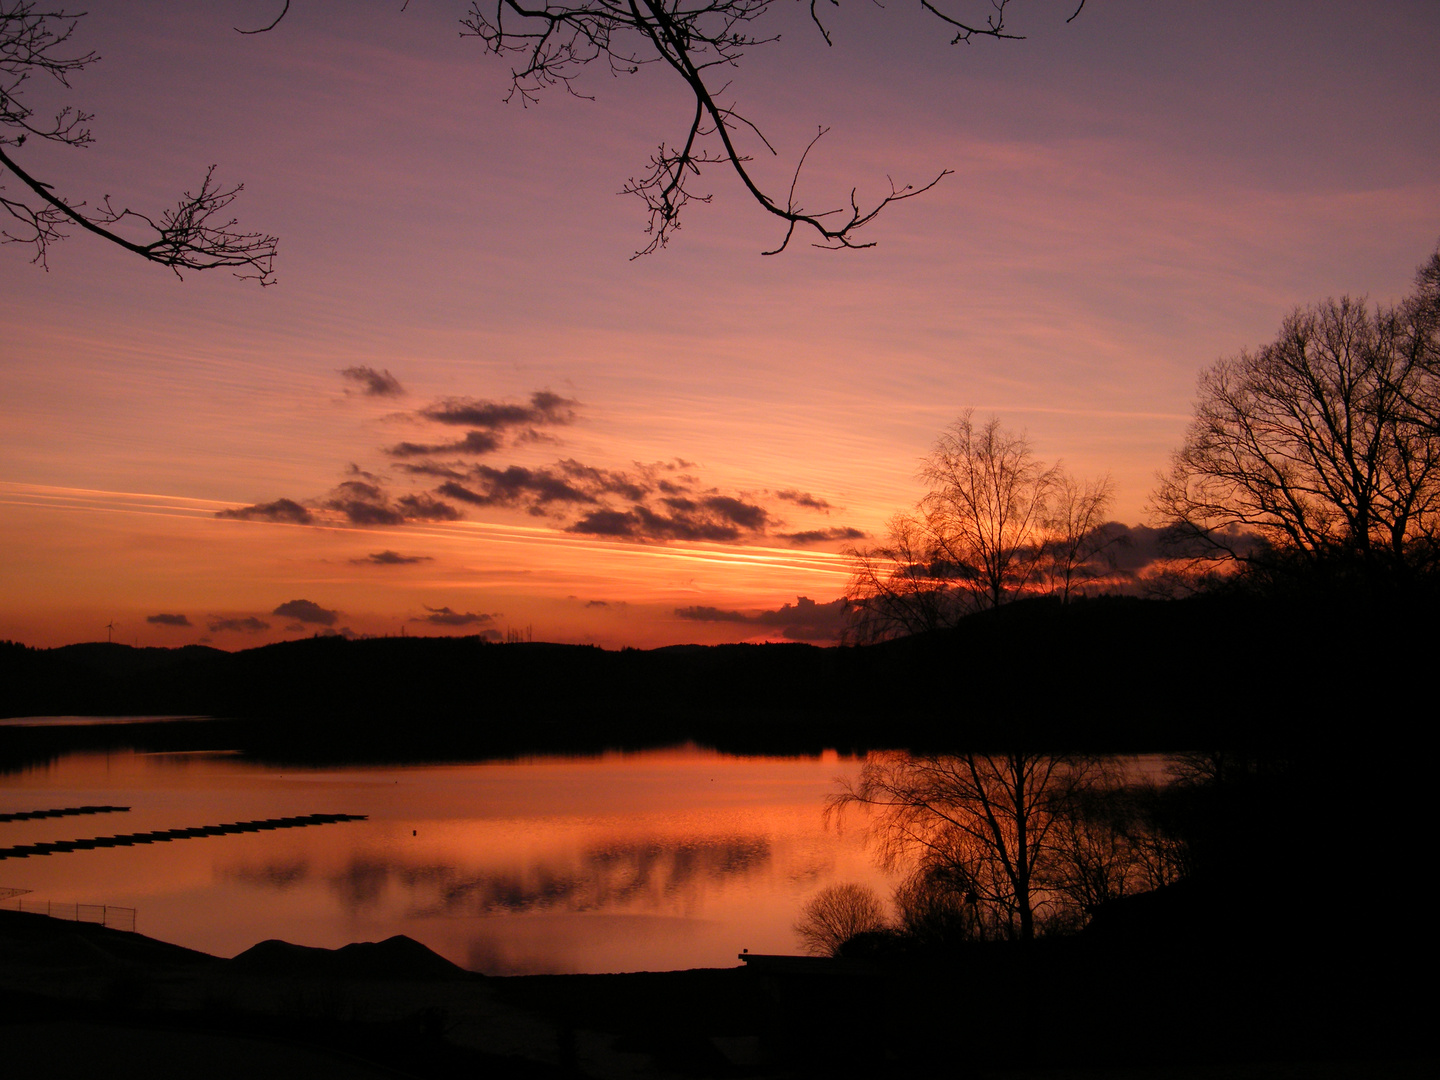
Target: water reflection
{"type": "Point", "coordinates": [275, 875]}
{"type": "Point", "coordinates": [667, 859]}
{"type": "Point", "coordinates": [648, 874]}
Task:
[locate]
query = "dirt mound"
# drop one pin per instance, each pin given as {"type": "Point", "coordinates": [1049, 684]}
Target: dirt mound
{"type": "Point", "coordinates": [398, 957]}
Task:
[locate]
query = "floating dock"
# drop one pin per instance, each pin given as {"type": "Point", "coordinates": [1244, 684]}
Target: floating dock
{"type": "Point", "coordinates": [69, 811]}
{"type": "Point", "coordinates": [24, 851]}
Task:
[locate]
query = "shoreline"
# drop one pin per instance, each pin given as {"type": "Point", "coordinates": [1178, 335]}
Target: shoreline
{"type": "Point", "coordinates": [81, 998]}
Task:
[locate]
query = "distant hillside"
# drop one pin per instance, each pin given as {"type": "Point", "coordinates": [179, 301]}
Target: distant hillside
{"type": "Point", "coordinates": [1113, 673]}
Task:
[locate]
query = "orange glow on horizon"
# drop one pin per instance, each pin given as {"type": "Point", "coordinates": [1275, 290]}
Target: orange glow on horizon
{"type": "Point", "coordinates": [1132, 195]}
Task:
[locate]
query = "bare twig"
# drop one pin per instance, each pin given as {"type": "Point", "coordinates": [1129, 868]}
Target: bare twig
{"type": "Point", "coordinates": [193, 235]}
{"type": "Point", "coordinates": [555, 40]}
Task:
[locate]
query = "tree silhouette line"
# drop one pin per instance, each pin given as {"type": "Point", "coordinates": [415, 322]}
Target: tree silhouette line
{"type": "Point", "coordinates": [1310, 473]}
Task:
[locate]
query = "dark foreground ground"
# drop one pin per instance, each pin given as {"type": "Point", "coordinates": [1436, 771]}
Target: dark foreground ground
{"type": "Point", "coordinates": [83, 1001]}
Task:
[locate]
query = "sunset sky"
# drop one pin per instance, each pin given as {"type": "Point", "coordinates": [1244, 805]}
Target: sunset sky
{"type": "Point", "coordinates": [463, 408]}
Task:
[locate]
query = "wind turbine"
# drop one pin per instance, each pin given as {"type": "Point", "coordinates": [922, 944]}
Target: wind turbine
{"type": "Point", "coordinates": [110, 632]}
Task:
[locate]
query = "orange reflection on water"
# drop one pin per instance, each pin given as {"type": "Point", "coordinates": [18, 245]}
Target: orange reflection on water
{"type": "Point", "coordinates": [656, 860]}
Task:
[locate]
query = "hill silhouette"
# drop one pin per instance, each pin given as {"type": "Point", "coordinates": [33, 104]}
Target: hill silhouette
{"type": "Point", "coordinates": [1107, 674]}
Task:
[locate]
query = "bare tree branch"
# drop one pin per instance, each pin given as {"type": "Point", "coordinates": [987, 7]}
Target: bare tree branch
{"type": "Point", "coordinates": [554, 41]}
{"type": "Point", "coordinates": [276, 22]}
{"type": "Point", "coordinates": [994, 520]}
{"type": "Point", "coordinates": [1010, 833]}
{"type": "Point", "coordinates": [1314, 447]}
{"type": "Point", "coordinates": [193, 235]}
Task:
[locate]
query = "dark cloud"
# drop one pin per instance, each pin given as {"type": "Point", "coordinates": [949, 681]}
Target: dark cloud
{"type": "Point", "coordinates": [373, 383]}
{"type": "Point", "coordinates": [365, 512]}
{"type": "Point", "coordinates": [1135, 552]}
{"type": "Point", "coordinates": [1133, 548]}
{"type": "Point", "coordinates": [163, 619]}
{"type": "Point", "coordinates": [717, 518]}
{"type": "Point", "coordinates": [391, 558]}
{"type": "Point", "coordinates": [360, 489]}
{"type": "Point", "coordinates": [804, 498]}
{"type": "Point", "coordinates": [546, 409]}
{"type": "Point", "coordinates": [535, 489]}
{"type": "Point", "coordinates": [307, 611]}
{"type": "Point", "coordinates": [701, 613]}
{"type": "Point", "coordinates": [282, 510]}
{"type": "Point", "coordinates": [746, 515]}
{"type": "Point", "coordinates": [597, 482]}
{"type": "Point", "coordinates": [474, 442]}
{"type": "Point", "coordinates": [804, 620]}
{"type": "Point", "coordinates": [365, 503]}
{"type": "Point", "coordinates": [657, 501]}
{"type": "Point", "coordinates": [455, 471]}
{"type": "Point", "coordinates": [821, 536]}
{"type": "Point", "coordinates": [492, 424]}
{"type": "Point", "coordinates": [444, 616]}
{"type": "Point", "coordinates": [641, 523]}
{"type": "Point", "coordinates": [424, 507]}
{"type": "Point", "coordinates": [248, 625]}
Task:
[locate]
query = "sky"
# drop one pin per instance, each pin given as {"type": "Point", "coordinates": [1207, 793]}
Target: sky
{"type": "Point", "coordinates": [464, 408]}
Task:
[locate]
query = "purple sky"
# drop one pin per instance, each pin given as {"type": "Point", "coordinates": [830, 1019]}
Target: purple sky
{"type": "Point", "coordinates": [1134, 195]}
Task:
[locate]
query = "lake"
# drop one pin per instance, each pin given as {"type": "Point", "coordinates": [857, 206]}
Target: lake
{"type": "Point", "coordinates": [655, 860]}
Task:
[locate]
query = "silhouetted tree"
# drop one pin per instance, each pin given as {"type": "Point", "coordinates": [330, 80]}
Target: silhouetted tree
{"type": "Point", "coordinates": [1323, 446]}
{"type": "Point", "coordinates": [836, 914]}
{"type": "Point", "coordinates": [700, 41]}
{"type": "Point", "coordinates": [991, 829]}
{"type": "Point", "coordinates": [935, 910]}
{"type": "Point", "coordinates": [193, 235]}
{"type": "Point", "coordinates": [1420, 314]}
{"type": "Point", "coordinates": [994, 523]}
{"type": "Point", "coordinates": [904, 586]}
{"type": "Point", "coordinates": [987, 507]}
{"type": "Point", "coordinates": [1076, 549]}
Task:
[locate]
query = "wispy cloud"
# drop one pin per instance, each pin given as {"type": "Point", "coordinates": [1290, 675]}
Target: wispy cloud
{"type": "Point", "coordinates": [307, 611]}
{"type": "Point", "coordinates": [657, 502]}
{"type": "Point", "coordinates": [445, 616]}
{"type": "Point", "coordinates": [492, 424]}
{"type": "Point", "coordinates": [805, 499]}
{"type": "Point", "coordinates": [391, 558]}
{"type": "Point", "coordinates": [163, 619]}
{"type": "Point", "coordinates": [804, 620]}
{"type": "Point", "coordinates": [545, 409]}
{"type": "Point", "coordinates": [247, 624]}
{"type": "Point", "coordinates": [373, 383]}
{"type": "Point", "coordinates": [823, 536]}
{"type": "Point", "coordinates": [286, 511]}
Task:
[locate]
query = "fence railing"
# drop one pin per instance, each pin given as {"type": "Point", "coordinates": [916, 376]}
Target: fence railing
{"type": "Point", "coordinates": [116, 918]}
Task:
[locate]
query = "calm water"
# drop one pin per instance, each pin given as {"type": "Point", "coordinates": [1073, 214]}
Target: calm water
{"type": "Point", "coordinates": [640, 861]}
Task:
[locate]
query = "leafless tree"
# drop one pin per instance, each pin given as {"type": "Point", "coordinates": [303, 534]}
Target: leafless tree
{"type": "Point", "coordinates": [700, 41]}
{"type": "Point", "coordinates": [196, 234]}
{"type": "Point", "coordinates": [987, 506]}
{"type": "Point", "coordinates": [902, 587]}
{"type": "Point", "coordinates": [836, 914]}
{"type": "Point", "coordinates": [1420, 340]}
{"type": "Point", "coordinates": [992, 827]}
{"type": "Point", "coordinates": [1104, 846]}
{"type": "Point", "coordinates": [1317, 445]}
{"type": "Point", "coordinates": [1077, 544]}
{"type": "Point", "coordinates": [936, 910]}
{"type": "Point", "coordinates": [993, 524]}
